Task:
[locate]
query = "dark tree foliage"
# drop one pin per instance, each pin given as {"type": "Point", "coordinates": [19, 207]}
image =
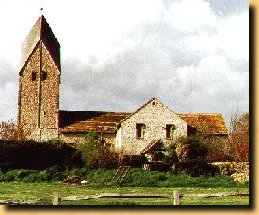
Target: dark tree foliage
{"type": "Point", "coordinates": [190, 148]}
{"type": "Point", "coordinates": [188, 154]}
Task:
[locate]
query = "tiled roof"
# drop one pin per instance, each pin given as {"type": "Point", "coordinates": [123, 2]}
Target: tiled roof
{"type": "Point", "coordinates": [84, 121]}
{"type": "Point", "coordinates": [206, 123]}
{"type": "Point", "coordinates": [107, 122]}
{"type": "Point", "coordinates": [41, 31]}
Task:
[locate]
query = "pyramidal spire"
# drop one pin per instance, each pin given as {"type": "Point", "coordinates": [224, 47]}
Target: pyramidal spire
{"type": "Point", "coordinates": [40, 32]}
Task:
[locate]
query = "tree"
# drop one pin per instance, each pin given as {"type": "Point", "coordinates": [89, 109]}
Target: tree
{"type": "Point", "coordinates": [10, 131]}
{"type": "Point", "coordinates": [189, 155]}
{"type": "Point", "coordinates": [96, 153]}
{"type": "Point", "coordinates": [239, 137]}
{"type": "Point", "coordinates": [190, 148]}
{"type": "Point", "coordinates": [218, 149]}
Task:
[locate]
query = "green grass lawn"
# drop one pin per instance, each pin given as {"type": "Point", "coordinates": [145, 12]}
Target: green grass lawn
{"type": "Point", "coordinates": [43, 193]}
{"type": "Point", "coordinates": [18, 185]}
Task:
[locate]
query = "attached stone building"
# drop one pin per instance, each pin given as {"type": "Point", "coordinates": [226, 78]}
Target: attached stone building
{"type": "Point", "coordinates": [40, 118]}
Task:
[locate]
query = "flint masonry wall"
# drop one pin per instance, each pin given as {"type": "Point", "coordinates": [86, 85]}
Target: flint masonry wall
{"type": "Point", "coordinates": [49, 92]}
{"type": "Point", "coordinates": [29, 95]}
{"type": "Point", "coordinates": [39, 100]}
{"type": "Point", "coordinates": [80, 138]}
{"type": "Point", "coordinates": [155, 116]}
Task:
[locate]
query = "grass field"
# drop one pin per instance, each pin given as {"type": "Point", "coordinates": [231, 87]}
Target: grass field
{"type": "Point", "coordinates": [43, 194]}
{"type": "Point", "coordinates": [27, 185]}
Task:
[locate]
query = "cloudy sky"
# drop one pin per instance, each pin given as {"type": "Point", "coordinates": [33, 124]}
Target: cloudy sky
{"type": "Point", "coordinates": [193, 55]}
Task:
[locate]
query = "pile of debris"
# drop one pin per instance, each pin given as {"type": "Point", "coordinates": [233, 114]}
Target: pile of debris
{"type": "Point", "coordinates": [73, 180]}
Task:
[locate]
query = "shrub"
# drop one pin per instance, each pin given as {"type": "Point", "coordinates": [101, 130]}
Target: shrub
{"type": "Point", "coordinates": [37, 155]}
{"type": "Point", "coordinates": [190, 148]}
{"type": "Point", "coordinates": [9, 176]}
{"type": "Point", "coordinates": [35, 176]}
{"type": "Point", "coordinates": [96, 153]}
{"type": "Point", "coordinates": [133, 160]}
{"type": "Point", "coordinates": [171, 156]}
{"type": "Point", "coordinates": [197, 168]}
{"type": "Point", "coordinates": [23, 175]}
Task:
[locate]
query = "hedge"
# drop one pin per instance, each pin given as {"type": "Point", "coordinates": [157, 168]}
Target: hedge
{"type": "Point", "coordinates": [37, 155]}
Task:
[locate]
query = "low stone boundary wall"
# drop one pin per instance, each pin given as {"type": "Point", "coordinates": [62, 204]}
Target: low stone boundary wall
{"type": "Point", "coordinates": [238, 170]}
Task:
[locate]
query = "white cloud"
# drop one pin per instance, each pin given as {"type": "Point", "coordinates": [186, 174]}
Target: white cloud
{"type": "Point", "coordinates": [189, 14]}
{"type": "Point", "coordinates": [234, 36]}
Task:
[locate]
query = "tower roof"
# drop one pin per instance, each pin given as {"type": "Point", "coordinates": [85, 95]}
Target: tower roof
{"type": "Point", "coordinates": [41, 31]}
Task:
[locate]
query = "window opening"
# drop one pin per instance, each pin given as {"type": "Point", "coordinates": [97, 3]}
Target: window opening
{"type": "Point", "coordinates": [140, 130]}
{"type": "Point", "coordinates": [33, 76]}
{"type": "Point", "coordinates": [170, 131]}
{"type": "Point", "coordinates": [43, 75]}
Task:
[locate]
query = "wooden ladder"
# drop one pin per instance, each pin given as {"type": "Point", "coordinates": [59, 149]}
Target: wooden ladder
{"type": "Point", "coordinates": [121, 175]}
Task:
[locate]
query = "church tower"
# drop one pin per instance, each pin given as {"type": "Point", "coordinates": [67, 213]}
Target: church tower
{"type": "Point", "coordinates": [38, 102]}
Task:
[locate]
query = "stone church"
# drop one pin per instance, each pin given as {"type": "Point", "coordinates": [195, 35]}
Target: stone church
{"type": "Point", "coordinates": [40, 118]}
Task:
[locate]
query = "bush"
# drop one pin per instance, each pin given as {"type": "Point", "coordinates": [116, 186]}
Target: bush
{"type": "Point", "coordinates": [190, 148]}
{"type": "Point", "coordinates": [197, 168]}
{"type": "Point", "coordinates": [133, 160]}
{"type": "Point", "coordinates": [23, 175]}
{"type": "Point", "coordinates": [96, 153]}
{"type": "Point", "coordinates": [37, 155]}
{"type": "Point", "coordinates": [51, 174]}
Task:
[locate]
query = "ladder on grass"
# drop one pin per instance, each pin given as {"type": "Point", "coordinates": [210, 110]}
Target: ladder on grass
{"type": "Point", "coordinates": [121, 175]}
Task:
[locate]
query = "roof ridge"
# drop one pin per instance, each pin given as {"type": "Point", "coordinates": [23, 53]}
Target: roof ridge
{"type": "Point", "coordinates": [145, 104]}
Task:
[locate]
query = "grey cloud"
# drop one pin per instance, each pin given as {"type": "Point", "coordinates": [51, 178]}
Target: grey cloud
{"type": "Point", "coordinates": [8, 73]}
{"type": "Point", "coordinates": [228, 7]}
{"type": "Point", "coordinates": [8, 91]}
{"type": "Point", "coordinates": [159, 63]}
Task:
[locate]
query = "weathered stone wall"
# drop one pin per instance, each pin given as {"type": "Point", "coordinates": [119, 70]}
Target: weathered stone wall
{"type": "Point", "coordinates": [29, 95]}
{"type": "Point", "coordinates": [155, 116]}
{"type": "Point", "coordinates": [49, 92]}
{"type": "Point", "coordinates": [74, 138]}
{"type": "Point", "coordinates": [39, 99]}
{"type": "Point", "coordinates": [45, 134]}
{"type": "Point", "coordinates": [238, 170]}
{"type": "Point", "coordinates": [79, 138]}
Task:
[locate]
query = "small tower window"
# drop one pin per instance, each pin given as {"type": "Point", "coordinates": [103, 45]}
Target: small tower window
{"type": "Point", "coordinates": [33, 76]}
{"type": "Point", "coordinates": [169, 131]}
{"type": "Point", "coordinates": [140, 130]}
{"type": "Point", "coordinates": [43, 75]}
